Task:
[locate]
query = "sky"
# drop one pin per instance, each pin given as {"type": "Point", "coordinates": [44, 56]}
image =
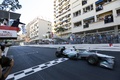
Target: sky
{"type": "Point", "coordinates": [36, 8]}
{"type": "Point", "coordinates": [32, 9]}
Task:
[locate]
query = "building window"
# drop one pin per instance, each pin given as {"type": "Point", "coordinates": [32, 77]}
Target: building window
{"type": "Point", "coordinates": [49, 24]}
{"type": "Point", "coordinates": [107, 1]}
{"type": "Point", "coordinates": [86, 25]}
{"type": "Point", "coordinates": [77, 24]}
{"type": "Point", "coordinates": [77, 13]}
{"type": "Point", "coordinates": [108, 18]}
{"type": "Point", "coordinates": [99, 8]}
{"type": "Point", "coordinates": [100, 17]}
{"type": "Point", "coordinates": [88, 21]}
{"type": "Point", "coordinates": [84, 2]}
{"type": "Point", "coordinates": [118, 12]}
{"type": "Point", "coordinates": [88, 8]}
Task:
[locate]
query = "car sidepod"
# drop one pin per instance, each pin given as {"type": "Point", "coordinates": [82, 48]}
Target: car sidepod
{"type": "Point", "coordinates": [72, 55]}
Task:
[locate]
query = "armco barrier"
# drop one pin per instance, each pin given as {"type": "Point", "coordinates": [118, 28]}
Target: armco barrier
{"type": "Point", "coordinates": [106, 47]}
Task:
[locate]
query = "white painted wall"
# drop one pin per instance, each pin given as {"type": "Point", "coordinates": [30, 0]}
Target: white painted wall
{"type": "Point", "coordinates": [44, 27]}
{"type": "Point", "coordinates": [77, 5]}
{"type": "Point", "coordinates": [107, 7]}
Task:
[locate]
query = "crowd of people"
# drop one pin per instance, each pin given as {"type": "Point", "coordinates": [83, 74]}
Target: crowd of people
{"type": "Point", "coordinates": [87, 39]}
{"type": "Point", "coordinates": [96, 39]}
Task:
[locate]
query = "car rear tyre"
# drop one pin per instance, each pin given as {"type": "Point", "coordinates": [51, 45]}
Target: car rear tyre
{"type": "Point", "coordinates": [93, 60]}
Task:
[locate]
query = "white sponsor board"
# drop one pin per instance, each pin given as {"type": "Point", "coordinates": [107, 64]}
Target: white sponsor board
{"type": "Point", "coordinates": [8, 33]}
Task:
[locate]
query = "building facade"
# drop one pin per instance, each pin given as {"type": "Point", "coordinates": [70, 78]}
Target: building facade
{"type": "Point", "coordinates": [62, 15]}
{"type": "Point", "coordinates": [38, 29]}
{"type": "Point", "coordinates": [85, 17]}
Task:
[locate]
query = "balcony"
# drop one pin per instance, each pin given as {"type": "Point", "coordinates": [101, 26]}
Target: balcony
{"type": "Point", "coordinates": [88, 8]}
{"type": "Point", "coordinates": [101, 24]}
{"type": "Point", "coordinates": [86, 25]}
{"type": "Point", "coordinates": [108, 19]}
{"type": "Point", "coordinates": [105, 4]}
{"type": "Point", "coordinates": [89, 20]}
{"type": "Point", "coordinates": [103, 1]}
{"type": "Point", "coordinates": [77, 24]}
{"type": "Point", "coordinates": [99, 8]}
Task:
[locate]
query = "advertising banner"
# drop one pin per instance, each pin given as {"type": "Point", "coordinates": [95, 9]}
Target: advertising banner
{"type": "Point", "coordinates": [8, 34]}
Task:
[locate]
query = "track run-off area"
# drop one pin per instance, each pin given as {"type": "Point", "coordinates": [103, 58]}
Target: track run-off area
{"type": "Point", "coordinates": [40, 63]}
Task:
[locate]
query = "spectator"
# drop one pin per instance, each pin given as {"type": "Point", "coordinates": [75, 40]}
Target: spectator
{"type": "Point", "coordinates": [3, 62]}
{"type": "Point", "coordinates": [5, 22]}
{"type": "Point", "coordinates": [106, 19]}
{"type": "Point", "coordinates": [16, 23]}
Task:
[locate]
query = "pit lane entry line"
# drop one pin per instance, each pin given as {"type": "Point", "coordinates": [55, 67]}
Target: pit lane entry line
{"type": "Point", "coordinates": [32, 70]}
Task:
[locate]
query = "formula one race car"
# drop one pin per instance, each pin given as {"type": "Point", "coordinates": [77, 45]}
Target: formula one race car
{"type": "Point", "coordinates": [92, 58]}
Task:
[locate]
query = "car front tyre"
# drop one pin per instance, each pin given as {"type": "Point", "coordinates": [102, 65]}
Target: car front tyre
{"type": "Point", "coordinates": [93, 60]}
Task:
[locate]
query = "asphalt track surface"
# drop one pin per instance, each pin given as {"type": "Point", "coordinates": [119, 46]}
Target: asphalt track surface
{"type": "Point", "coordinates": [26, 57]}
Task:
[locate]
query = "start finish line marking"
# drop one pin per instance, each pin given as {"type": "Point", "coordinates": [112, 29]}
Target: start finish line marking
{"type": "Point", "coordinates": [32, 70]}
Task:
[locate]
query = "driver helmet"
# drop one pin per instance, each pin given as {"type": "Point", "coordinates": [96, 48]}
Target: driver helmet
{"type": "Point", "coordinates": [63, 47]}
{"type": "Point", "coordinates": [72, 49]}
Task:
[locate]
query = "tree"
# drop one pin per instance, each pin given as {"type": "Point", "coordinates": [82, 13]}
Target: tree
{"type": "Point", "coordinates": [10, 5]}
{"type": "Point", "coordinates": [49, 36]}
{"type": "Point", "coordinates": [60, 30]}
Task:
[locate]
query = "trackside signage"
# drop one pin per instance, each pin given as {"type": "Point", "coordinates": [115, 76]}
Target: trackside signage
{"type": "Point", "coordinates": [8, 33]}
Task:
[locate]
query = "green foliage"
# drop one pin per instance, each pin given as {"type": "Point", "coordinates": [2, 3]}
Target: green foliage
{"type": "Point", "coordinates": [46, 36]}
{"type": "Point", "coordinates": [60, 29]}
{"type": "Point", "coordinates": [1, 20]}
{"type": "Point", "coordinates": [11, 5]}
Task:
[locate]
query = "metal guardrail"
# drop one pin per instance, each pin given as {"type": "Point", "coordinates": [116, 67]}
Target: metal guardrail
{"type": "Point", "coordinates": [105, 47]}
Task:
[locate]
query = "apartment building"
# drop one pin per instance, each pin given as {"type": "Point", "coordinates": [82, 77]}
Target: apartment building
{"type": "Point", "coordinates": [90, 16]}
{"type": "Point", "coordinates": [37, 29]}
{"type": "Point", "coordinates": [62, 15]}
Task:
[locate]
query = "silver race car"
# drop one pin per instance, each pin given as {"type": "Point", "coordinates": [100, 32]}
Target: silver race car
{"type": "Point", "coordinates": [92, 58]}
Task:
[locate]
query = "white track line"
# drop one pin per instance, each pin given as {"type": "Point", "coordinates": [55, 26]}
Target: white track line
{"type": "Point", "coordinates": [32, 70]}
